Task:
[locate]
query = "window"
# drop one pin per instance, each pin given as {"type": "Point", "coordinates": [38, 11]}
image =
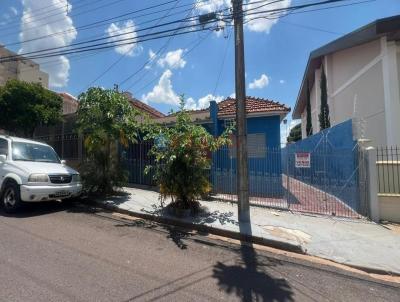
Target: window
{"type": "Point", "coordinates": [256, 146]}
{"type": "Point", "coordinates": [3, 146]}
{"type": "Point", "coordinates": [229, 122]}
{"type": "Point", "coordinates": [33, 152]}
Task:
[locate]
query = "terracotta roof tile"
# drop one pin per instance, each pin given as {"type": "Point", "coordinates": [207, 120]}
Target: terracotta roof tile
{"type": "Point", "coordinates": [143, 107]}
{"type": "Point", "coordinates": [253, 105]}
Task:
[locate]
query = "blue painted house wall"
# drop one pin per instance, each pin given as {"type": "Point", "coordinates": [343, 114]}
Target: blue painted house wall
{"type": "Point", "coordinates": [265, 171]}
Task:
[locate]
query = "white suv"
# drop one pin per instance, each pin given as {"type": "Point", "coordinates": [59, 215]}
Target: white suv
{"type": "Point", "coordinates": [31, 171]}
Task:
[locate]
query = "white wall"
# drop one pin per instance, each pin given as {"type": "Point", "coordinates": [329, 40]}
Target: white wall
{"type": "Point", "coordinates": [363, 84]}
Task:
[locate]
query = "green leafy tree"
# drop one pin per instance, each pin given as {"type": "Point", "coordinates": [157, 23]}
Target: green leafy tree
{"type": "Point", "coordinates": [309, 129]}
{"type": "Point", "coordinates": [182, 159]}
{"type": "Point", "coordinates": [24, 106]}
{"type": "Point", "coordinates": [295, 134]}
{"type": "Point", "coordinates": [324, 121]}
{"type": "Point", "coordinates": [105, 118]}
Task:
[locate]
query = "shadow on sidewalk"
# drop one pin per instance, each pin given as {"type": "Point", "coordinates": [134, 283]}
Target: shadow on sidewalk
{"type": "Point", "coordinates": [248, 277]}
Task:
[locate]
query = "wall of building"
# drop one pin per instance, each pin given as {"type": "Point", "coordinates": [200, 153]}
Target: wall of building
{"type": "Point", "coordinates": [359, 81]}
{"type": "Point", "coordinates": [8, 70]}
{"type": "Point", "coordinates": [264, 159]}
{"type": "Point", "coordinates": [24, 70]}
{"type": "Point", "coordinates": [29, 71]}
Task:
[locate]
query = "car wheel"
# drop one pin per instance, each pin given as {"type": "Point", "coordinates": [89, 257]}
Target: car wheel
{"type": "Point", "coordinates": [11, 198]}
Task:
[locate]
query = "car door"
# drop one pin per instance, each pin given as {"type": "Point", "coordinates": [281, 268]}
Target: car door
{"type": "Point", "coordinates": [3, 151]}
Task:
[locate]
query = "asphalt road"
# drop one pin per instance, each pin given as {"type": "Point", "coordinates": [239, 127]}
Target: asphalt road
{"type": "Point", "coordinates": [66, 253]}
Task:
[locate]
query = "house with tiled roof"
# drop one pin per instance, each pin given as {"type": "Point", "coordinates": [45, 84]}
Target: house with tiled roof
{"type": "Point", "coordinates": [263, 140]}
{"type": "Point", "coordinates": [263, 119]}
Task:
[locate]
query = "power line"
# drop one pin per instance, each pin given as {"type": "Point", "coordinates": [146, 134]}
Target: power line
{"type": "Point", "coordinates": [295, 7]}
{"type": "Point", "coordinates": [279, 16]}
{"type": "Point", "coordinates": [159, 52]}
{"type": "Point", "coordinates": [184, 55]}
{"type": "Point", "coordinates": [222, 62]}
{"type": "Point", "coordinates": [115, 19]}
{"type": "Point", "coordinates": [165, 33]}
{"type": "Point", "coordinates": [311, 28]}
{"type": "Point", "coordinates": [46, 12]}
{"type": "Point", "coordinates": [47, 51]}
{"type": "Point", "coordinates": [124, 55]}
{"type": "Point", "coordinates": [72, 15]}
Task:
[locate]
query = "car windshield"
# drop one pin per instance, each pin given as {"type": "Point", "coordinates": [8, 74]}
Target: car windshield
{"type": "Point", "coordinates": [34, 152]}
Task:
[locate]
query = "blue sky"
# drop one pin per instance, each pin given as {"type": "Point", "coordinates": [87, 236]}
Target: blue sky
{"type": "Point", "coordinates": [276, 53]}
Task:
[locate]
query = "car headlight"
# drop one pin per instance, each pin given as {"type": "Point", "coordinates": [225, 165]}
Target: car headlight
{"type": "Point", "coordinates": [76, 178]}
{"type": "Point", "coordinates": [38, 178]}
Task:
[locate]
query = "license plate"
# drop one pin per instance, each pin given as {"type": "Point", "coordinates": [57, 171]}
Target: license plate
{"type": "Point", "coordinates": [61, 194]}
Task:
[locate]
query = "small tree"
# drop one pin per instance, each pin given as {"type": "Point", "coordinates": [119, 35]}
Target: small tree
{"type": "Point", "coordinates": [24, 106]}
{"type": "Point", "coordinates": [324, 120]}
{"type": "Point", "coordinates": [295, 134]}
{"type": "Point", "coordinates": [309, 130]}
{"type": "Point", "coordinates": [181, 159]}
{"type": "Point", "coordinates": [105, 118]}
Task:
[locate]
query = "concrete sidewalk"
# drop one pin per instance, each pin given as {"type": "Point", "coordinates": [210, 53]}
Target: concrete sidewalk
{"type": "Point", "coordinates": [357, 243]}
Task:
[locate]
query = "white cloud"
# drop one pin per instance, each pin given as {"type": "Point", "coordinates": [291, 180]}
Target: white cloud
{"type": "Point", "coordinates": [163, 92]}
{"type": "Point", "coordinates": [203, 102]}
{"type": "Point", "coordinates": [152, 57]}
{"type": "Point", "coordinates": [33, 25]}
{"type": "Point", "coordinates": [191, 104]}
{"type": "Point", "coordinates": [259, 83]}
{"type": "Point", "coordinates": [282, 81]}
{"type": "Point", "coordinates": [14, 10]}
{"type": "Point", "coordinates": [127, 30]}
{"type": "Point", "coordinates": [173, 59]}
{"type": "Point", "coordinates": [211, 5]}
{"type": "Point", "coordinates": [232, 95]}
{"type": "Point", "coordinates": [257, 10]}
{"type": "Point", "coordinates": [152, 54]}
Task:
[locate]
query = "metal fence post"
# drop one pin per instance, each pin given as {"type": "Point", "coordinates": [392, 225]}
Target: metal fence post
{"type": "Point", "coordinates": [372, 185]}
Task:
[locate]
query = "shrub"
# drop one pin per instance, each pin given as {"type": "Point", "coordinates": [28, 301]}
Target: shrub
{"type": "Point", "coordinates": [105, 119]}
{"type": "Point", "coordinates": [182, 159]}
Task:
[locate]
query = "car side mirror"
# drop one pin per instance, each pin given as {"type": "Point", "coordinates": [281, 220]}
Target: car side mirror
{"type": "Point", "coordinates": [63, 161]}
{"type": "Point", "coordinates": [3, 158]}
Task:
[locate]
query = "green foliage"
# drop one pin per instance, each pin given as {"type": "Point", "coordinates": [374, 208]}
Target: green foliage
{"type": "Point", "coordinates": [24, 106]}
{"type": "Point", "coordinates": [309, 129]}
{"type": "Point", "coordinates": [295, 134]}
{"type": "Point", "coordinates": [182, 158]}
{"type": "Point", "coordinates": [105, 118]}
{"type": "Point", "coordinates": [324, 121]}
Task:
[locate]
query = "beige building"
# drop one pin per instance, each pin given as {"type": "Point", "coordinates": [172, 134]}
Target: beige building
{"type": "Point", "coordinates": [363, 71]}
{"type": "Point", "coordinates": [21, 69]}
{"type": "Point", "coordinates": [70, 103]}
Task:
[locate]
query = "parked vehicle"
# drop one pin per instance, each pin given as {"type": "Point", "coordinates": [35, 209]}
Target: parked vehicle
{"type": "Point", "coordinates": [31, 171]}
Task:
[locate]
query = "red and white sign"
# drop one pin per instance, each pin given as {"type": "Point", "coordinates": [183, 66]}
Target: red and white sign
{"type": "Point", "coordinates": [303, 160]}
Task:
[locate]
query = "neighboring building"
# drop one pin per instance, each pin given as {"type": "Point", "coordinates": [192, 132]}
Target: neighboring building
{"type": "Point", "coordinates": [263, 144]}
{"type": "Point", "coordinates": [21, 69]}
{"type": "Point", "coordinates": [142, 107]}
{"type": "Point", "coordinates": [70, 103]}
{"type": "Point", "coordinates": [263, 119]}
{"type": "Point", "coordinates": [363, 71]}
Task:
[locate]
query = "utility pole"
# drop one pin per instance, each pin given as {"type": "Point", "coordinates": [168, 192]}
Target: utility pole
{"type": "Point", "coordinates": [241, 131]}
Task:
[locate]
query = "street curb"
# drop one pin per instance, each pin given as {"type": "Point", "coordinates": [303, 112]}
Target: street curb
{"type": "Point", "coordinates": [207, 229]}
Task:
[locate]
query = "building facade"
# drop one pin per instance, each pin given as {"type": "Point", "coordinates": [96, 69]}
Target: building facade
{"type": "Point", "coordinates": [362, 70]}
{"type": "Point", "coordinates": [21, 69]}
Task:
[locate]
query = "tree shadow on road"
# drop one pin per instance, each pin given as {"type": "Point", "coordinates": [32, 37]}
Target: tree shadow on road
{"type": "Point", "coordinates": [249, 279]}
